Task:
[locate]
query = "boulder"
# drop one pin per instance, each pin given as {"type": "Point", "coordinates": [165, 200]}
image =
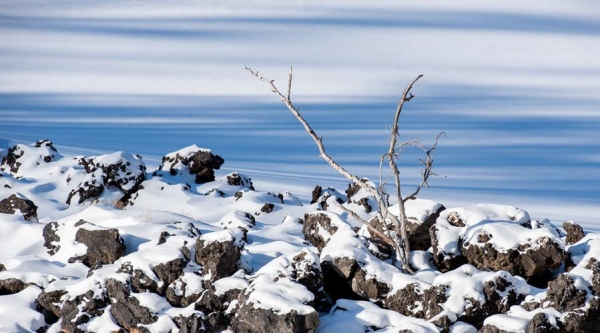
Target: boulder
{"type": "Point", "coordinates": [80, 309]}
{"type": "Point", "coordinates": [238, 220]}
{"type": "Point", "coordinates": [357, 195]}
{"type": "Point", "coordinates": [192, 160]}
{"type": "Point", "coordinates": [563, 295]}
{"type": "Point", "coordinates": [185, 290]}
{"type": "Point", "coordinates": [120, 171]}
{"type": "Point", "coordinates": [421, 214]}
{"type": "Point", "coordinates": [125, 309]}
{"type": "Point", "coordinates": [320, 226]}
{"type": "Point", "coordinates": [326, 197]}
{"type": "Point", "coordinates": [30, 156]}
{"type": "Point", "coordinates": [502, 246]}
{"type": "Point", "coordinates": [104, 246]}
{"type": "Point", "coordinates": [50, 303]}
{"type": "Point", "coordinates": [278, 305]}
{"type": "Point", "coordinates": [218, 253]}
{"type": "Point", "coordinates": [51, 237]}
{"type": "Point", "coordinates": [239, 180]}
{"type": "Point", "coordinates": [574, 231]}
{"type": "Point", "coordinates": [17, 202]}
{"type": "Point", "coordinates": [11, 286]}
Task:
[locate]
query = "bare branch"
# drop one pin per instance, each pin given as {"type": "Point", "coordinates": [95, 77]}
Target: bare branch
{"type": "Point", "coordinates": [318, 140]}
{"type": "Point", "coordinates": [425, 168]}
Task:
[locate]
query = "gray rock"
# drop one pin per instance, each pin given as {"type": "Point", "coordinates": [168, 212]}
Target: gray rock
{"type": "Point", "coordinates": [250, 319]}
{"type": "Point", "coordinates": [11, 286]}
{"type": "Point", "coordinates": [13, 203]}
{"type": "Point", "coordinates": [126, 309]}
{"type": "Point", "coordinates": [104, 246]}
{"type": "Point", "coordinates": [51, 238]}
{"type": "Point", "coordinates": [574, 231]}
{"type": "Point", "coordinates": [218, 254]}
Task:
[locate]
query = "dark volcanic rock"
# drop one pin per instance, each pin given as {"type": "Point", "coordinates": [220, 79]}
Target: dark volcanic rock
{"type": "Point", "coordinates": [125, 308]}
{"type": "Point", "coordinates": [574, 232]}
{"type": "Point", "coordinates": [218, 253]}
{"type": "Point", "coordinates": [51, 238]}
{"type": "Point", "coordinates": [356, 194]}
{"type": "Point", "coordinates": [267, 207]}
{"type": "Point", "coordinates": [250, 319]}
{"type": "Point", "coordinates": [194, 161]}
{"type": "Point", "coordinates": [104, 246]}
{"type": "Point", "coordinates": [344, 278]}
{"type": "Point", "coordinates": [78, 310]}
{"type": "Point", "coordinates": [14, 202]}
{"type": "Point", "coordinates": [240, 180]}
{"type": "Point", "coordinates": [51, 303]}
{"type": "Point", "coordinates": [563, 295]}
{"type": "Point", "coordinates": [316, 193]}
{"type": "Point", "coordinates": [42, 152]}
{"type": "Point", "coordinates": [414, 301]}
{"type": "Point", "coordinates": [540, 324]}
{"type": "Point", "coordinates": [190, 324]}
{"type": "Point", "coordinates": [319, 227]}
{"type": "Point", "coordinates": [532, 260]}
{"type": "Point", "coordinates": [445, 261]}
{"type": "Point", "coordinates": [11, 286]}
{"type": "Point", "coordinates": [324, 197]}
{"type": "Point", "coordinates": [583, 320]}
{"type": "Point", "coordinates": [168, 272]}
{"type": "Point", "coordinates": [121, 171]}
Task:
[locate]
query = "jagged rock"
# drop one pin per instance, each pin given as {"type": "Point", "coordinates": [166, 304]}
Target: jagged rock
{"type": "Point", "coordinates": [415, 301]}
{"type": "Point", "coordinates": [267, 207]}
{"type": "Point", "coordinates": [87, 189]}
{"type": "Point", "coordinates": [445, 256]}
{"type": "Point", "coordinates": [563, 295]}
{"type": "Point", "coordinates": [320, 226]}
{"type": "Point", "coordinates": [238, 220]}
{"type": "Point", "coordinates": [456, 226]}
{"type": "Point", "coordinates": [190, 324]}
{"type": "Point", "coordinates": [51, 238]}
{"type": "Point", "coordinates": [316, 193]}
{"type": "Point", "coordinates": [250, 319]}
{"type": "Point", "coordinates": [42, 151]}
{"type": "Point", "coordinates": [140, 282]}
{"type": "Point", "coordinates": [324, 197]}
{"type": "Point", "coordinates": [51, 303]}
{"type": "Point", "coordinates": [2, 268]}
{"type": "Point", "coordinates": [195, 161]}
{"type": "Point", "coordinates": [356, 194]}
{"type": "Point", "coordinates": [534, 258]}
{"type": "Point", "coordinates": [11, 286]}
{"type": "Point", "coordinates": [104, 246]}
{"type": "Point", "coordinates": [275, 306]}
{"type": "Point", "coordinates": [594, 266]}
{"type": "Point", "coordinates": [16, 202]}
{"type": "Point", "coordinates": [583, 320]}
{"type": "Point", "coordinates": [344, 278]}
{"type": "Point", "coordinates": [540, 324]}
{"type": "Point", "coordinates": [574, 231]}
{"type": "Point", "coordinates": [307, 272]}
{"type": "Point", "coordinates": [218, 252]}
{"type": "Point", "coordinates": [421, 215]}
{"type": "Point", "coordinates": [184, 291]}
{"type": "Point", "coordinates": [240, 180]}
{"type": "Point", "coordinates": [127, 310]}
{"type": "Point", "coordinates": [500, 295]}
{"type": "Point", "coordinates": [79, 309]}
{"type": "Point", "coordinates": [121, 171]}
{"type": "Point", "coordinates": [168, 272]}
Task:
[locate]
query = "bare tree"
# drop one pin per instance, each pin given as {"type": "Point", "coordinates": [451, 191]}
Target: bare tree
{"type": "Point", "coordinates": [400, 239]}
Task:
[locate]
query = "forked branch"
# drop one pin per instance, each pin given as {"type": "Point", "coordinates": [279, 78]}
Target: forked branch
{"type": "Point", "coordinates": [379, 193]}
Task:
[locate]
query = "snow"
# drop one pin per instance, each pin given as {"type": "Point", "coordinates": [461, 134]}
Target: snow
{"type": "Point", "coordinates": [353, 316]}
{"type": "Point", "coordinates": [520, 114]}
